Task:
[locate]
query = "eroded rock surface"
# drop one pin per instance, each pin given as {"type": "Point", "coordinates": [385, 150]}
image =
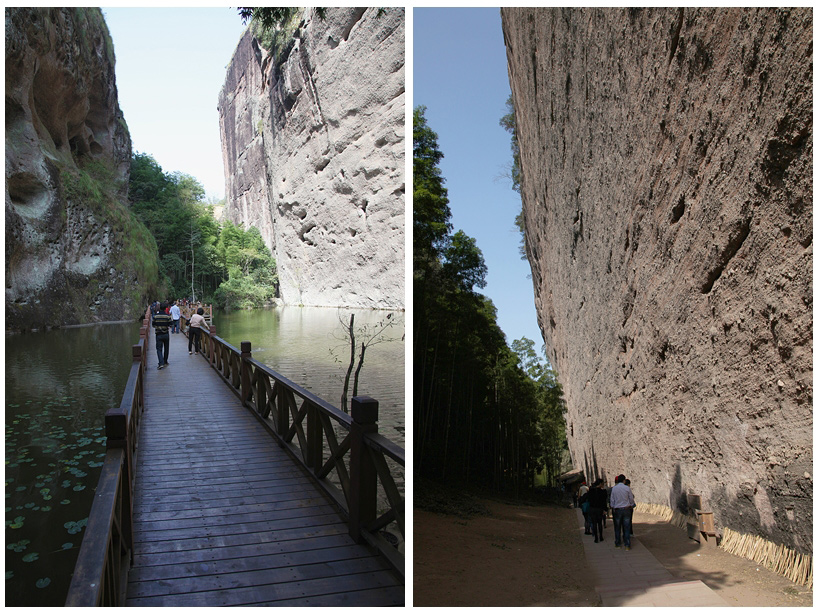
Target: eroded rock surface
{"type": "Point", "coordinates": [313, 144]}
{"type": "Point", "coordinates": [667, 191]}
{"type": "Point", "coordinates": [71, 246]}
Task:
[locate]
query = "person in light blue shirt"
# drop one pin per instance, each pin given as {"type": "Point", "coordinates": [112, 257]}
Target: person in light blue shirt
{"type": "Point", "coordinates": [621, 504]}
{"type": "Point", "coordinates": [175, 313]}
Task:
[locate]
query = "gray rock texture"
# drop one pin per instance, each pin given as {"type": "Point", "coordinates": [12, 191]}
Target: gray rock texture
{"type": "Point", "coordinates": [666, 159]}
{"type": "Point", "coordinates": [73, 253]}
{"type": "Point", "coordinates": [313, 143]}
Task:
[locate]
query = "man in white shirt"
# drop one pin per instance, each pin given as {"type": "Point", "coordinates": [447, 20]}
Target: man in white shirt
{"type": "Point", "coordinates": [175, 314]}
{"type": "Point", "coordinates": [621, 503]}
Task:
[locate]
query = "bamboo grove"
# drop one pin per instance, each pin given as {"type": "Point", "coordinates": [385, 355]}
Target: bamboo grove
{"type": "Point", "coordinates": [485, 414]}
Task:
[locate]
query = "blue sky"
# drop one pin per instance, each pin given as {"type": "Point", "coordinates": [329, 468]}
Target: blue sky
{"type": "Point", "coordinates": [170, 67]}
{"type": "Point", "coordinates": [461, 76]}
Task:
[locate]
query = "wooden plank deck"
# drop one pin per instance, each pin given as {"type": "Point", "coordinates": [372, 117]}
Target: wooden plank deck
{"type": "Point", "coordinates": [223, 516]}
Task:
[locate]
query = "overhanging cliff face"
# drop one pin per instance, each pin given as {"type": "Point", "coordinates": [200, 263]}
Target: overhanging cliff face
{"type": "Point", "coordinates": [666, 162]}
{"type": "Point", "coordinates": [313, 146]}
{"type": "Point", "coordinates": [73, 253]}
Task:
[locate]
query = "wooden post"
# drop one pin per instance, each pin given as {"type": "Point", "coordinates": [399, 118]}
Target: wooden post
{"type": "Point", "coordinates": [362, 474]}
{"type": "Point", "coordinates": [141, 357]}
{"type": "Point", "coordinates": [246, 354]}
{"type": "Point", "coordinates": [315, 438]}
{"type": "Point", "coordinates": [283, 415]}
{"type": "Point", "coordinates": [117, 432]}
{"type": "Point", "coordinates": [212, 345]}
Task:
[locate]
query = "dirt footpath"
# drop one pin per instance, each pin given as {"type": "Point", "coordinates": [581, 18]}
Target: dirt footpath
{"type": "Point", "coordinates": [518, 556]}
{"type": "Point", "coordinates": [532, 556]}
{"type": "Point", "coordinates": [741, 582]}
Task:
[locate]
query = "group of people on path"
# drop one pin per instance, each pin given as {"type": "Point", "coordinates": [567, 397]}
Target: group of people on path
{"type": "Point", "coordinates": [165, 318]}
{"type": "Point", "coordinates": [596, 500]}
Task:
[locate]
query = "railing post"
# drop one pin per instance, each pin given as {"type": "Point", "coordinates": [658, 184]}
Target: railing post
{"type": "Point", "coordinates": [362, 474]}
{"type": "Point", "coordinates": [246, 354]}
{"type": "Point", "coordinates": [315, 438]}
{"type": "Point", "coordinates": [212, 342]}
{"type": "Point", "coordinates": [141, 357]}
{"type": "Point", "coordinates": [117, 433]}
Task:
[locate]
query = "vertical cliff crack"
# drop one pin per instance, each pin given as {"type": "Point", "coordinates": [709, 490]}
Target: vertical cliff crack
{"type": "Point", "coordinates": [737, 238]}
{"type": "Point", "coordinates": [306, 75]}
{"type": "Point", "coordinates": [674, 42]}
{"type": "Point", "coordinates": [356, 17]}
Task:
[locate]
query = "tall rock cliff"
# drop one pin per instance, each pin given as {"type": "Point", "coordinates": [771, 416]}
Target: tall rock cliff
{"type": "Point", "coordinates": [313, 144]}
{"type": "Point", "coordinates": [666, 159]}
{"type": "Point", "coordinates": [73, 253]}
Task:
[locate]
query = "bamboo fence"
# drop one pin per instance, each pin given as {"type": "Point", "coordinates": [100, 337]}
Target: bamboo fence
{"type": "Point", "coordinates": [669, 515]}
{"type": "Point", "coordinates": [797, 567]}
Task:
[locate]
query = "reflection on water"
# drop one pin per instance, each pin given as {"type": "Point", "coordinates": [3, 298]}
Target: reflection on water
{"type": "Point", "coordinates": [59, 384]}
{"type": "Point", "coordinates": [309, 346]}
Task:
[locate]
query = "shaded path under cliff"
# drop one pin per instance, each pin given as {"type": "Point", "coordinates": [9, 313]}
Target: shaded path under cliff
{"type": "Point", "coordinates": [522, 555]}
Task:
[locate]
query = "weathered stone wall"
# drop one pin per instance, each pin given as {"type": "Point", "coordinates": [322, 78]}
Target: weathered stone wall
{"type": "Point", "coordinates": [313, 144]}
{"type": "Point", "coordinates": [666, 162]}
{"type": "Point", "coordinates": [70, 250]}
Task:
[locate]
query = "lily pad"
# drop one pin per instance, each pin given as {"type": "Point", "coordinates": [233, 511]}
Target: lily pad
{"type": "Point", "coordinates": [74, 527]}
{"type": "Point", "coordinates": [18, 546]}
{"type": "Point", "coordinates": [31, 557]}
{"type": "Point", "coordinates": [67, 545]}
{"type": "Point", "coordinates": [44, 582]}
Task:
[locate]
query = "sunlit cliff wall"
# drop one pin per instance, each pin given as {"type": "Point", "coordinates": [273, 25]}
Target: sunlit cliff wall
{"type": "Point", "coordinates": [73, 253]}
{"type": "Point", "coordinates": [313, 144]}
{"type": "Point", "coordinates": [666, 159]}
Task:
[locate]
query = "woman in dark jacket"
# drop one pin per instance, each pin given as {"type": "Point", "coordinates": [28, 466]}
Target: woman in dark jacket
{"type": "Point", "coordinates": [598, 503]}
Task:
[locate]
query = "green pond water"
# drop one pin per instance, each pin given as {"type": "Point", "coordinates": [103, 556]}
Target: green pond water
{"type": "Point", "coordinates": [308, 346]}
{"type": "Point", "coordinates": [60, 383]}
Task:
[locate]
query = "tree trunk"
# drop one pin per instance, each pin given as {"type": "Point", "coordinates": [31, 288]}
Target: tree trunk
{"type": "Point", "coordinates": [344, 405]}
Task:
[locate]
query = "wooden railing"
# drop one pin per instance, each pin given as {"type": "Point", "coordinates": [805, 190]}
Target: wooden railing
{"type": "Point", "coordinates": [100, 574]}
{"type": "Point", "coordinates": [324, 440]}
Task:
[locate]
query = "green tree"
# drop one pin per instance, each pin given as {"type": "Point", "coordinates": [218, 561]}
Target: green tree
{"type": "Point", "coordinates": [251, 271]}
{"type": "Point", "coordinates": [430, 202]}
{"type": "Point", "coordinates": [173, 209]}
{"type": "Point", "coordinates": [479, 416]}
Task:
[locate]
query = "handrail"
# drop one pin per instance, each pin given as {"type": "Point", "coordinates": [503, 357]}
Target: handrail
{"type": "Point", "coordinates": [101, 573]}
{"type": "Point", "coordinates": [303, 424]}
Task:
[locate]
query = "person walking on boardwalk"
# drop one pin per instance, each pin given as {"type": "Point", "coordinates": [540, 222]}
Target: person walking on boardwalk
{"type": "Point", "coordinates": [630, 513]}
{"type": "Point", "coordinates": [598, 501]}
{"type": "Point", "coordinates": [176, 314]}
{"type": "Point", "coordinates": [161, 323]}
{"type": "Point", "coordinates": [195, 330]}
{"type": "Point", "coordinates": [621, 503]}
{"type": "Point", "coordinates": [583, 504]}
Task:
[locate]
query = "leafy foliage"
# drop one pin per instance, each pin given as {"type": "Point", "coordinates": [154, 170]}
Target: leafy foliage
{"type": "Point", "coordinates": [93, 185]}
{"type": "Point", "coordinates": [199, 257]}
{"type": "Point", "coordinates": [252, 280]}
{"type": "Point", "coordinates": [484, 414]}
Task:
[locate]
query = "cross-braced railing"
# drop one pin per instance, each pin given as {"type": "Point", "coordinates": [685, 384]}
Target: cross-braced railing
{"type": "Point", "coordinates": [344, 453]}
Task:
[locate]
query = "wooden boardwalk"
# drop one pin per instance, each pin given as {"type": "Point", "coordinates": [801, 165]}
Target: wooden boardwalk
{"type": "Point", "coordinates": [224, 516]}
